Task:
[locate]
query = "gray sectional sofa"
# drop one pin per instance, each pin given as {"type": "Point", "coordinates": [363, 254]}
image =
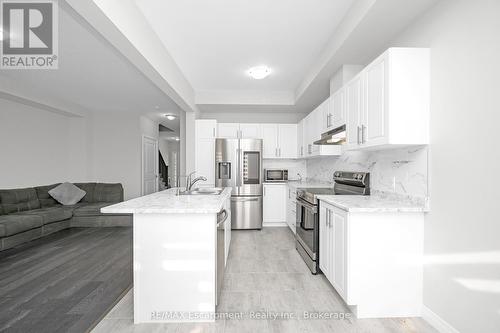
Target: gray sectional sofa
{"type": "Point", "coordinates": [30, 213]}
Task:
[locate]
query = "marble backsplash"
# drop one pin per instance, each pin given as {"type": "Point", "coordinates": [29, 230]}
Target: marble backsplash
{"type": "Point", "coordinates": [400, 171]}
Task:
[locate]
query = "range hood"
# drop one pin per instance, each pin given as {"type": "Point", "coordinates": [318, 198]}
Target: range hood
{"type": "Point", "coordinates": [336, 136]}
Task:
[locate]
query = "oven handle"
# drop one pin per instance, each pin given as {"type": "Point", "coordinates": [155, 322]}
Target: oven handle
{"type": "Point", "coordinates": [307, 205]}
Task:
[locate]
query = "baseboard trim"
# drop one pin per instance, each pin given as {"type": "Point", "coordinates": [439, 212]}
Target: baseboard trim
{"type": "Point", "coordinates": [437, 322]}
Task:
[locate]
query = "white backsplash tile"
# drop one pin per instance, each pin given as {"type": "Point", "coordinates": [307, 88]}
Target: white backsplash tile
{"type": "Point", "coordinates": [400, 171]}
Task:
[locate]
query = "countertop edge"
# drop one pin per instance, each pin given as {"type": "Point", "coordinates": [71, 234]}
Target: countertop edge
{"type": "Point", "coordinates": [380, 209]}
{"type": "Point", "coordinates": [226, 194]}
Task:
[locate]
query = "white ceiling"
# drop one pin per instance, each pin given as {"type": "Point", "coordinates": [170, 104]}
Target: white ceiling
{"type": "Point", "coordinates": [93, 76]}
{"type": "Point", "coordinates": [215, 42]}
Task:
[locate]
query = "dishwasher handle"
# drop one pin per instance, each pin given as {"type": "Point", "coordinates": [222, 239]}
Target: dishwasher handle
{"type": "Point", "coordinates": [221, 217]}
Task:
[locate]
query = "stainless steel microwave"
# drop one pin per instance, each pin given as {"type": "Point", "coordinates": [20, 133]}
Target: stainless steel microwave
{"type": "Point", "coordinates": [275, 175]}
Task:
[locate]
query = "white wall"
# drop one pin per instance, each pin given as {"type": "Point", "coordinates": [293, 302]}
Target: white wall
{"type": "Point", "coordinates": [462, 244]}
{"type": "Point", "coordinates": [35, 147]}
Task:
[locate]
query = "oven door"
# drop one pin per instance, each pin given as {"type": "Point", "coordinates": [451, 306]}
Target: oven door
{"type": "Point", "coordinates": [307, 227]}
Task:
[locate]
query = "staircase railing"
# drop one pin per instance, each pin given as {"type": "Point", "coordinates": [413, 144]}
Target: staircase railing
{"type": "Point", "coordinates": [163, 169]}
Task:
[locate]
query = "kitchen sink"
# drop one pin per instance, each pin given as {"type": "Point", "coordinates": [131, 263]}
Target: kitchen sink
{"type": "Point", "coordinates": [203, 191]}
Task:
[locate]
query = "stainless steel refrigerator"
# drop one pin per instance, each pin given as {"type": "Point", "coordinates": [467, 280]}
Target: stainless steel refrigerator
{"type": "Point", "coordinates": [238, 164]}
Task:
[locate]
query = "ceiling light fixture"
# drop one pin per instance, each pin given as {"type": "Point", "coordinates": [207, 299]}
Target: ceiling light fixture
{"type": "Point", "coordinates": [259, 72]}
{"type": "Point", "coordinates": [170, 116]}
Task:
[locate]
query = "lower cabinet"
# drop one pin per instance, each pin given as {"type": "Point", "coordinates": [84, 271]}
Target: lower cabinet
{"type": "Point", "coordinates": [274, 203]}
{"type": "Point", "coordinates": [373, 260]}
{"type": "Point", "coordinates": [332, 252]}
{"type": "Point", "coordinates": [227, 230]}
{"type": "Point", "coordinates": [291, 210]}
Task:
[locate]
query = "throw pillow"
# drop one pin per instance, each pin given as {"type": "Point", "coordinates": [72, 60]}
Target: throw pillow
{"type": "Point", "coordinates": [67, 194]}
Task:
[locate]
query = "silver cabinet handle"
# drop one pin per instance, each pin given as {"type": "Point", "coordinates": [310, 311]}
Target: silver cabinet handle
{"type": "Point", "coordinates": [358, 135]}
{"type": "Point", "coordinates": [279, 150]}
{"type": "Point", "coordinates": [363, 138]}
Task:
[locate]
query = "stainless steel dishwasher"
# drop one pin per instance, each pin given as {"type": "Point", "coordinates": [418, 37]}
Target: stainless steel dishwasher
{"type": "Point", "coordinates": [221, 245]}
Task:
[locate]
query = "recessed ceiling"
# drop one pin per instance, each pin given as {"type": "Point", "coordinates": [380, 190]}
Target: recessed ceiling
{"type": "Point", "coordinates": [92, 75]}
{"type": "Point", "coordinates": [215, 42]}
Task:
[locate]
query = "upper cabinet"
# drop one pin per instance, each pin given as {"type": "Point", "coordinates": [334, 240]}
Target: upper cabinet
{"type": "Point", "coordinates": [388, 102]}
{"type": "Point", "coordinates": [312, 127]}
{"type": "Point", "coordinates": [239, 131]}
{"type": "Point", "coordinates": [205, 134]}
{"type": "Point", "coordinates": [250, 131]}
{"type": "Point", "coordinates": [280, 140]}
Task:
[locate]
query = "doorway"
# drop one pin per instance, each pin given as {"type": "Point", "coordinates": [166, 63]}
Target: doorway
{"type": "Point", "coordinates": [149, 165]}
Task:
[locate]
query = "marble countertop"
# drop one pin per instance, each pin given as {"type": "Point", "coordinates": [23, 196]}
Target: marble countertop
{"type": "Point", "coordinates": [168, 202]}
{"type": "Point", "coordinates": [375, 203]}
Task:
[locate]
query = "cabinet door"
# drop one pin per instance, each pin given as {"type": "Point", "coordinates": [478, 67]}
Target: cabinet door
{"type": "Point", "coordinates": [287, 141]}
{"type": "Point", "coordinates": [250, 131]}
{"type": "Point", "coordinates": [228, 130]}
{"type": "Point", "coordinates": [305, 135]}
{"type": "Point", "coordinates": [205, 129]}
{"type": "Point", "coordinates": [300, 139]}
{"type": "Point", "coordinates": [316, 125]}
{"type": "Point", "coordinates": [353, 111]}
{"type": "Point", "coordinates": [374, 117]}
{"type": "Point", "coordinates": [274, 203]}
{"type": "Point", "coordinates": [270, 140]}
{"type": "Point", "coordinates": [205, 160]}
{"type": "Point", "coordinates": [338, 113]}
{"type": "Point", "coordinates": [324, 255]}
{"type": "Point", "coordinates": [339, 224]}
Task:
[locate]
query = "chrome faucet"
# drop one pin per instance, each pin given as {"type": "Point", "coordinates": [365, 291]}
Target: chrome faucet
{"type": "Point", "coordinates": [190, 183]}
{"type": "Point", "coordinates": [300, 177]}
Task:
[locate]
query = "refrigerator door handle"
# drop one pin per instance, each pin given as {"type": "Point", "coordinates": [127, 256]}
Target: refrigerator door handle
{"type": "Point", "coordinates": [240, 199]}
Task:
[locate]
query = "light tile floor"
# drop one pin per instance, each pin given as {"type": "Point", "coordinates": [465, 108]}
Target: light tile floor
{"type": "Point", "coordinates": [265, 274]}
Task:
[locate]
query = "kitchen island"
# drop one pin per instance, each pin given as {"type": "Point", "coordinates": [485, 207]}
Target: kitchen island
{"type": "Point", "coordinates": [175, 240]}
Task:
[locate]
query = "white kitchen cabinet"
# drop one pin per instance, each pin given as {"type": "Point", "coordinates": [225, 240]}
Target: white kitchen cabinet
{"type": "Point", "coordinates": [287, 140]}
{"type": "Point", "coordinates": [300, 139]}
{"type": "Point", "coordinates": [337, 109]}
{"type": "Point", "coordinates": [205, 134]}
{"type": "Point", "coordinates": [205, 129]}
{"type": "Point", "coordinates": [291, 210]}
{"type": "Point", "coordinates": [393, 104]}
{"type": "Point", "coordinates": [353, 108]}
{"type": "Point", "coordinates": [270, 140]}
{"type": "Point", "coordinates": [250, 131]}
{"type": "Point", "coordinates": [279, 140]}
{"type": "Point", "coordinates": [227, 230]}
{"type": "Point", "coordinates": [239, 131]}
{"type": "Point", "coordinates": [311, 131]}
{"type": "Point", "coordinates": [274, 203]}
{"type": "Point", "coordinates": [228, 130]}
{"type": "Point", "coordinates": [373, 260]}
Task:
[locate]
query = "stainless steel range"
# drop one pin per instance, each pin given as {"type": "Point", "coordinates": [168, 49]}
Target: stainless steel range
{"type": "Point", "coordinates": [307, 236]}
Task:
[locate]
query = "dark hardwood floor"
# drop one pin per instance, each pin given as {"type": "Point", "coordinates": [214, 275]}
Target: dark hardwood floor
{"type": "Point", "coordinates": [65, 282]}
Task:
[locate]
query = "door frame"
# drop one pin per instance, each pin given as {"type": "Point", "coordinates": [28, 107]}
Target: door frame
{"type": "Point", "coordinates": [144, 138]}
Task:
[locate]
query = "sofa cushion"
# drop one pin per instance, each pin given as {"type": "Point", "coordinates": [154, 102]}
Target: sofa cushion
{"type": "Point", "coordinates": [67, 194]}
{"type": "Point", "coordinates": [1, 209]}
{"type": "Point", "coordinates": [89, 189]}
{"type": "Point", "coordinates": [92, 209]}
{"type": "Point", "coordinates": [14, 224]}
{"type": "Point", "coordinates": [18, 200]}
{"type": "Point", "coordinates": [44, 197]}
{"type": "Point", "coordinates": [108, 193]}
{"type": "Point", "coordinates": [50, 214]}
